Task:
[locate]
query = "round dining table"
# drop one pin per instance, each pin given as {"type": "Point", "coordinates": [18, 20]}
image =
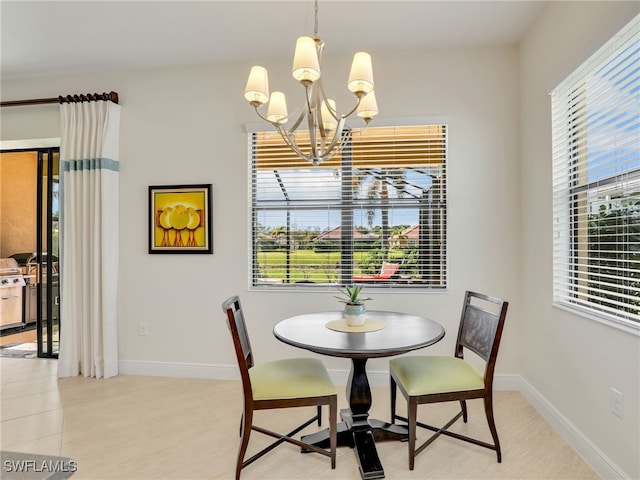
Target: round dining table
{"type": "Point", "coordinates": [390, 333]}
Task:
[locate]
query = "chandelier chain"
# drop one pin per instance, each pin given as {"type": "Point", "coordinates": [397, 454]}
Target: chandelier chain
{"type": "Point", "coordinates": [315, 25]}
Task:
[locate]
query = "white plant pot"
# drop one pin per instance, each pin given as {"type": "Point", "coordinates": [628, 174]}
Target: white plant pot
{"type": "Point", "coordinates": [355, 315]}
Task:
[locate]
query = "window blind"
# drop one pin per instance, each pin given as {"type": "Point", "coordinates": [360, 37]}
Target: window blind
{"type": "Point", "coordinates": [375, 213]}
{"type": "Point", "coordinates": [596, 182]}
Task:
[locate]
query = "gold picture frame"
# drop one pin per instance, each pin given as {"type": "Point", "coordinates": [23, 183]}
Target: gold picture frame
{"type": "Point", "coordinates": [180, 219]}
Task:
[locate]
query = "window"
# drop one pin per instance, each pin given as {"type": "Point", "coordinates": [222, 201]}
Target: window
{"type": "Point", "coordinates": [373, 214]}
{"type": "Point", "coordinates": [596, 183]}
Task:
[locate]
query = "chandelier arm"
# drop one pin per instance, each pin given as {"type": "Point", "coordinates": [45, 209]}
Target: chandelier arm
{"type": "Point", "coordinates": [338, 149]}
{"type": "Point", "coordinates": [323, 144]}
{"type": "Point", "coordinates": [263, 117]}
{"type": "Point", "coordinates": [318, 122]}
{"type": "Point", "coordinates": [334, 113]}
{"type": "Point", "coordinates": [312, 136]}
{"type": "Point", "coordinates": [292, 144]}
{"type": "Point", "coordinates": [318, 147]}
{"type": "Point", "coordinates": [326, 147]}
{"type": "Point", "coordinates": [320, 98]}
{"type": "Point", "coordinates": [336, 136]}
{"type": "Point", "coordinates": [309, 95]}
{"type": "Point", "coordinates": [353, 110]}
{"type": "Point", "coordinates": [288, 138]}
{"type": "Point", "coordinates": [332, 154]}
{"type": "Point", "coordinates": [298, 121]}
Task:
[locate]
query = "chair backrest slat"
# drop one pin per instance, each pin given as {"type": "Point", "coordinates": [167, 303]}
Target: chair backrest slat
{"type": "Point", "coordinates": [478, 331]}
{"type": "Point", "coordinates": [241, 343]}
{"type": "Point", "coordinates": [481, 328]}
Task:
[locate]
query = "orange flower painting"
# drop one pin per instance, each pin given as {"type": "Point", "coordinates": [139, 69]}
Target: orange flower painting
{"type": "Point", "coordinates": [180, 219]}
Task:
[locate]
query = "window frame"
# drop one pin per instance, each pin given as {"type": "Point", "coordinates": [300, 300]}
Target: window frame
{"type": "Point", "coordinates": [595, 194]}
{"type": "Point", "coordinates": [347, 272]}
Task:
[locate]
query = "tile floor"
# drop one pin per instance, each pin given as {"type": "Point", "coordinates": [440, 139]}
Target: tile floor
{"type": "Point", "coordinates": [134, 427]}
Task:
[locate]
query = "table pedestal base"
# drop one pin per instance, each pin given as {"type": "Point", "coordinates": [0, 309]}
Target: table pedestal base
{"type": "Point", "coordinates": [361, 435]}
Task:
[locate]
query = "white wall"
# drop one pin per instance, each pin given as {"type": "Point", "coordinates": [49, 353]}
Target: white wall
{"type": "Point", "coordinates": [570, 360]}
{"type": "Point", "coordinates": [186, 125]}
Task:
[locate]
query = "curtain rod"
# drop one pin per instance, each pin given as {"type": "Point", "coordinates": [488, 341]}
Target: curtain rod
{"type": "Point", "coordinates": [89, 97]}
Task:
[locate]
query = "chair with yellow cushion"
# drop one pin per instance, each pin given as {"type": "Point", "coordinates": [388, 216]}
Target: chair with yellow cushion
{"type": "Point", "coordinates": [296, 382]}
{"type": "Point", "coordinates": [432, 379]}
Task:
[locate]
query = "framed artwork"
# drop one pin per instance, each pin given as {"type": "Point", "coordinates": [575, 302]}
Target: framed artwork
{"type": "Point", "coordinates": [180, 219]}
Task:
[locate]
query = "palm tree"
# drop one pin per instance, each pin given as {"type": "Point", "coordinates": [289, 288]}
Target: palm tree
{"type": "Point", "coordinates": [381, 180]}
{"type": "Point", "coordinates": [278, 233]}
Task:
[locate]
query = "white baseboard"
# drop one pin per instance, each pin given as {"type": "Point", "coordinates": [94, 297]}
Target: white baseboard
{"type": "Point", "coordinates": [380, 378]}
{"type": "Point", "coordinates": [183, 370]}
{"type": "Point", "coordinates": [591, 454]}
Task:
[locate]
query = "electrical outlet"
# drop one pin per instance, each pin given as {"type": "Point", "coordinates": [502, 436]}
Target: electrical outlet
{"type": "Point", "coordinates": [616, 402]}
{"type": "Point", "coordinates": [143, 329]}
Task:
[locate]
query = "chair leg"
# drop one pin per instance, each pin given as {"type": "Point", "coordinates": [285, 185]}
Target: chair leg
{"type": "Point", "coordinates": [247, 420]}
{"type": "Point", "coordinates": [319, 415]}
{"type": "Point", "coordinates": [463, 405]}
{"type": "Point", "coordinates": [333, 433]}
{"type": "Point", "coordinates": [393, 392]}
{"type": "Point", "coordinates": [488, 409]}
{"type": "Point", "coordinates": [412, 418]}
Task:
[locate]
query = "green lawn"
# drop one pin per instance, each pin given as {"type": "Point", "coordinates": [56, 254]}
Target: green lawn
{"type": "Point", "coordinates": [305, 265]}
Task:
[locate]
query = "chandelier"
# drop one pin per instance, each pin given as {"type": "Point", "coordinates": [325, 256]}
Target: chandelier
{"type": "Point", "coordinates": [324, 122]}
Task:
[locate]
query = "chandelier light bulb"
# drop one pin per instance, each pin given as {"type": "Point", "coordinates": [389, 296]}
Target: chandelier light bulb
{"type": "Point", "coordinates": [257, 89]}
{"type": "Point", "coordinates": [361, 75]}
{"type": "Point", "coordinates": [306, 66]}
{"type": "Point", "coordinates": [277, 112]}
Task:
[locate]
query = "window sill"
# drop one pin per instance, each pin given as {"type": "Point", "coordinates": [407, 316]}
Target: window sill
{"type": "Point", "coordinates": [622, 325]}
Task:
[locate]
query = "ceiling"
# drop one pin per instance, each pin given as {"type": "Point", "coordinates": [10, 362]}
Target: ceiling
{"type": "Point", "coordinates": [62, 37]}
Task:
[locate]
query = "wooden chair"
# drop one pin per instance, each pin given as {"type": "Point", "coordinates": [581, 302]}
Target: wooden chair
{"type": "Point", "coordinates": [295, 382]}
{"type": "Point", "coordinates": [431, 379]}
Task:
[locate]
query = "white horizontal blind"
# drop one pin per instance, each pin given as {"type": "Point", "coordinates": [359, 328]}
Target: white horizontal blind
{"type": "Point", "coordinates": [596, 183]}
{"type": "Point", "coordinates": [374, 214]}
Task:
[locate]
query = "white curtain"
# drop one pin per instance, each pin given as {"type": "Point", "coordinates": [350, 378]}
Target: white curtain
{"type": "Point", "coordinates": [89, 192]}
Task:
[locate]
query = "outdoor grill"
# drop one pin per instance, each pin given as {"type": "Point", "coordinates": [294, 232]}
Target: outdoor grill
{"type": "Point", "coordinates": [12, 285]}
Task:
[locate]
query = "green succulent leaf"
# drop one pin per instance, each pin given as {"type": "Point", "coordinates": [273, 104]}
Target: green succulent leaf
{"type": "Point", "coordinates": [350, 294]}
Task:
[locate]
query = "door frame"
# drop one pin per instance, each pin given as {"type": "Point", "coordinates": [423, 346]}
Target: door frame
{"type": "Point", "coordinates": [48, 146]}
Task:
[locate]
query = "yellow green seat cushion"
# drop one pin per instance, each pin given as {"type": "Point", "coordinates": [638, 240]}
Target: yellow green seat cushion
{"type": "Point", "coordinates": [425, 375]}
{"type": "Point", "coordinates": [290, 378]}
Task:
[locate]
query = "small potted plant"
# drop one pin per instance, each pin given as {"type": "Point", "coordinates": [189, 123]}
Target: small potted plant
{"type": "Point", "coordinates": [354, 310]}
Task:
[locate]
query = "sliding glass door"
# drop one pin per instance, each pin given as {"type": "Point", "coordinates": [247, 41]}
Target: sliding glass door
{"type": "Point", "coordinates": [29, 217]}
{"type": "Point", "coordinates": [47, 253]}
